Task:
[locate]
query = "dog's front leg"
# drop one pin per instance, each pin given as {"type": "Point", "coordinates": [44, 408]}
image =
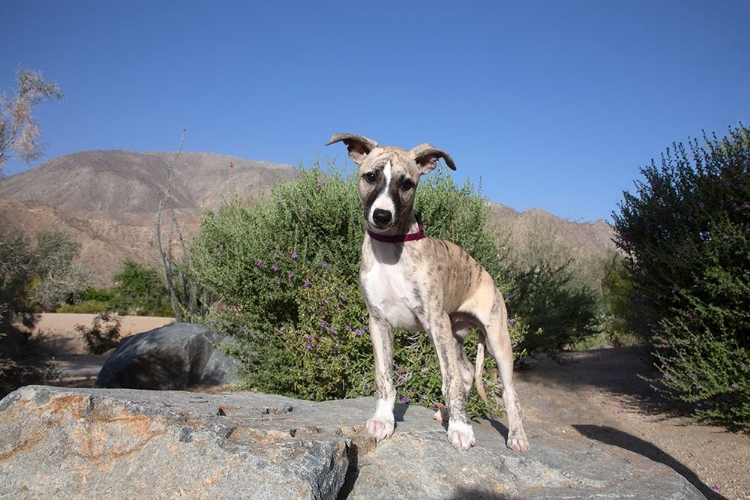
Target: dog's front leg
{"type": "Point", "coordinates": [382, 424]}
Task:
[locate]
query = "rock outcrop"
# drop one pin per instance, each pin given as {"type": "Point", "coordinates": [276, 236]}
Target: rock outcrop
{"type": "Point", "coordinates": [92, 443]}
{"type": "Point", "coordinates": [173, 357]}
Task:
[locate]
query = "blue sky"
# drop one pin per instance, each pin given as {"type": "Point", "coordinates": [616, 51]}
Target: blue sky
{"type": "Point", "coordinates": [552, 104]}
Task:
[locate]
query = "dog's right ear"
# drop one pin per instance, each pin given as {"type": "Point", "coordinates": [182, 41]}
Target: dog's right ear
{"type": "Point", "coordinates": [358, 146]}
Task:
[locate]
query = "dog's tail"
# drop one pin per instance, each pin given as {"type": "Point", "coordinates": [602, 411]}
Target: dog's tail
{"type": "Point", "coordinates": [479, 367]}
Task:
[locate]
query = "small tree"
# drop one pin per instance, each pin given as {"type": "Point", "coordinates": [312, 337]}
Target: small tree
{"type": "Point", "coordinates": [24, 358]}
{"type": "Point", "coordinates": [19, 130]}
{"type": "Point", "coordinates": [60, 276]}
{"type": "Point", "coordinates": [139, 289]}
{"type": "Point", "coordinates": [686, 234]}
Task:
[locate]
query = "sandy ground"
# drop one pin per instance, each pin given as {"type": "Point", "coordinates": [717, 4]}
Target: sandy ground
{"type": "Point", "coordinates": [594, 394]}
{"type": "Point", "coordinates": [598, 394]}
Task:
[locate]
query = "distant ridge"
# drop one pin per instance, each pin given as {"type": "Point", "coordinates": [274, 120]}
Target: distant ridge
{"type": "Point", "coordinates": [110, 184]}
{"type": "Point", "coordinates": [108, 201]}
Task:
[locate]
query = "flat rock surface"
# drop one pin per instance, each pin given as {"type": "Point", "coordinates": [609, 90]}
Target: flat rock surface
{"type": "Point", "coordinates": [120, 443]}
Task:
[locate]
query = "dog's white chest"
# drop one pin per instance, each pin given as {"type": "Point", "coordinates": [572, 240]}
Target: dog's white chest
{"type": "Point", "coordinates": [389, 291]}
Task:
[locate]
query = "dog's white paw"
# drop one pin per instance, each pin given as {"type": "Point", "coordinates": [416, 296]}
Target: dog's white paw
{"type": "Point", "coordinates": [380, 428]}
{"type": "Point", "coordinates": [461, 435]}
{"type": "Point", "coordinates": [518, 443]}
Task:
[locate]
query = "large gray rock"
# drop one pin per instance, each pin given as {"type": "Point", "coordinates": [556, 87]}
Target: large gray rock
{"type": "Point", "coordinates": [173, 357]}
{"type": "Point", "coordinates": [90, 443]}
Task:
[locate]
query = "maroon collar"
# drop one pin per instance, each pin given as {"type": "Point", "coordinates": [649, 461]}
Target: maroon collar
{"type": "Point", "coordinates": [399, 238]}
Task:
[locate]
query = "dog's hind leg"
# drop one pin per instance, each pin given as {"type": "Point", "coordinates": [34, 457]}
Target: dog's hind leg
{"type": "Point", "coordinates": [499, 345]}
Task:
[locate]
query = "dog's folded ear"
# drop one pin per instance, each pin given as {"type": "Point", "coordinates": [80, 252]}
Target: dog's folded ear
{"type": "Point", "coordinates": [358, 146]}
{"type": "Point", "coordinates": [427, 157]}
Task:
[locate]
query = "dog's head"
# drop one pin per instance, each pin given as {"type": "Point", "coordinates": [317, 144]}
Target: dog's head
{"type": "Point", "coordinates": [388, 179]}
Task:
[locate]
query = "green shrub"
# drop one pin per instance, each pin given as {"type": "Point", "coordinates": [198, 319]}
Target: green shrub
{"type": "Point", "coordinates": [686, 236]}
{"type": "Point", "coordinates": [139, 290]}
{"type": "Point", "coordinates": [103, 335]}
{"type": "Point", "coordinates": [557, 312]}
{"type": "Point", "coordinates": [556, 293]}
{"type": "Point", "coordinates": [287, 272]}
{"type": "Point", "coordinates": [60, 277]}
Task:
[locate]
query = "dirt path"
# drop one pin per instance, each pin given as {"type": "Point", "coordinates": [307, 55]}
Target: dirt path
{"type": "Point", "coordinates": [597, 394]}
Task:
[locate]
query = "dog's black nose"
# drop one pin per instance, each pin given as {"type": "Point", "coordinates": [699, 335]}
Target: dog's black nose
{"type": "Point", "coordinates": [381, 217]}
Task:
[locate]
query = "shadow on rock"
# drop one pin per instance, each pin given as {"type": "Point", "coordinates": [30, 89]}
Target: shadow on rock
{"type": "Point", "coordinates": [615, 437]}
{"type": "Point", "coordinates": [476, 494]}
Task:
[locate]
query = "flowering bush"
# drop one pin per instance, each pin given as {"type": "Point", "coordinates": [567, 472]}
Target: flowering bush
{"type": "Point", "coordinates": [686, 235]}
{"type": "Point", "coordinates": [287, 274]}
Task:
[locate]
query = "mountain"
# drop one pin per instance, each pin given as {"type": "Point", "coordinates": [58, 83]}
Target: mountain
{"type": "Point", "coordinates": [108, 202]}
{"type": "Point", "coordinates": [119, 184]}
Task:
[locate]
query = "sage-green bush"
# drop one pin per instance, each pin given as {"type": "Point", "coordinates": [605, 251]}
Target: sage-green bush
{"type": "Point", "coordinates": [686, 236]}
{"type": "Point", "coordinates": [287, 274]}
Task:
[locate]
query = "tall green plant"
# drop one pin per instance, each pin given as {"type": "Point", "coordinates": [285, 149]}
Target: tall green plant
{"type": "Point", "coordinates": [686, 235]}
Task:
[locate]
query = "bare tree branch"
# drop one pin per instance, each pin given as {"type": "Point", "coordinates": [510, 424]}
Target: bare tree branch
{"type": "Point", "coordinates": [19, 130]}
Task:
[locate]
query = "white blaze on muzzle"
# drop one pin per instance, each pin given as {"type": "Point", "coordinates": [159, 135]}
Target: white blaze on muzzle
{"type": "Point", "coordinates": [383, 201]}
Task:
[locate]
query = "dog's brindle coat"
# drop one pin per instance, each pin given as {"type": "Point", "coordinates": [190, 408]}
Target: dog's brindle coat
{"type": "Point", "coordinates": [425, 284]}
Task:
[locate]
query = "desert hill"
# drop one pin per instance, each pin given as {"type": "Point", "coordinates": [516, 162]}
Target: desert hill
{"type": "Point", "coordinates": [119, 184]}
{"type": "Point", "coordinates": [108, 201]}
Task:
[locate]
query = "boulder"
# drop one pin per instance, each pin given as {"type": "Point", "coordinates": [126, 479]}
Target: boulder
{"type": "Point", "coordinates": [173, 357]}
{"type": "Point", "coordinates": [110, 443]}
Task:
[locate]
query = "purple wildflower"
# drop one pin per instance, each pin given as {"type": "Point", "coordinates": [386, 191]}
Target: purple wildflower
{"type": "Point", "coordinates": [294, 255]}
{"type": "Point", "coordinates": [308, 346]}
{"type": "Point", "coordinates": [275, 268]}
{"type": "Point", "coordinates": [306, 284]}
{"type": "Point", "coordinates": [405, 399]}
{"type": "Point", "coordinates": [276, 255]}
{"type": "Point", "coordinates": [358, 332]}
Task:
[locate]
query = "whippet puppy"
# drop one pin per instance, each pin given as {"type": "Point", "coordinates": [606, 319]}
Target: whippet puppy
{"type": "Point", "coordinates": [416, 283]}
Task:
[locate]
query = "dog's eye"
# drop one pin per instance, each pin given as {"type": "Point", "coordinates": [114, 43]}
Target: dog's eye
{"type": "Point", "coordinates": [370, 177]}
{"type": "Point", "coordinates": [407, 184]}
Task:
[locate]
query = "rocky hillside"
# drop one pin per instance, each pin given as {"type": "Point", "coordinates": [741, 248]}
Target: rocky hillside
{"type": "Point", "coordinates": [119, 184]}
{"type": "Point", "coordinates": [108, 201]}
